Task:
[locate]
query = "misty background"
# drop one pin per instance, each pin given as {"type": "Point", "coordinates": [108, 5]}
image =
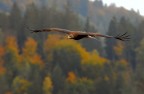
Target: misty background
{"type": "Point", "coordinates": [48, 63]}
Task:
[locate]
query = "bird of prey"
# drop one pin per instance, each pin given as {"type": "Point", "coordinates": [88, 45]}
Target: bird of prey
{"type": "Point", "coordinates": [77, 35]}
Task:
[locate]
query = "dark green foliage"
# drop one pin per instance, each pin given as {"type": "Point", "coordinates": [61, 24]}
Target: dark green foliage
{"type": "Point", "coordinates": [111, 43]}
{"type": "Point", "coordinates": [118, 75]}
{"type": "Point", "coordinates": [58, 79]}
{"type": "Point", "coordinates": [15, 18]}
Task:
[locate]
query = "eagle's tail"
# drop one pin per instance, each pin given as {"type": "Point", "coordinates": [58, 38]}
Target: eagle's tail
{"type": "Point", "coordinates": [123, 37]}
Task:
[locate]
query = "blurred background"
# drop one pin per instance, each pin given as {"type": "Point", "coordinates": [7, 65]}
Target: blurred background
{"type": "Point", "coordinates": [48, 63]}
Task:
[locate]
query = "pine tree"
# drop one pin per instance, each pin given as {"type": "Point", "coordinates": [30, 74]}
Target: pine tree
{"type": "Point", "coordinates": [15, 17]}
{"type": "Point", "coordinates": [110, 54]}
{"type": "Point", "coordinates": [70, 19]}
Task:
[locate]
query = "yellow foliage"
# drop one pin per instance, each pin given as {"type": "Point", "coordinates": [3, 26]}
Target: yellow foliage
{"type": "Point", "coordinates": [95, 59]}
{"type": "Point", "coordinates": [12, 47]}
{"type": "Point", "coordinates": [119, 49]}
{"type": "Point", "coordinates": [86, 57]}
{"type": "Point", "coordinates": [106, 78]}
{"type": "Point", "coordinates": [123, 62]}
{"type": "Point", "coordinates": [21, 85]}
{"type": "Point", "coordinates": [2, 51]}
{"type": "Point", "coordinates": [71, 77]}
{"type": "Point", "coordinates": [2, 70]}
{"type": "Point", "coordinates": [56, 42]}
{"type": "Point", "coordinates": [73, 45]}
{"type": "Point", "coordinates": [30, 47]}
{"type": "Point", "coordinates": [36, 59]}
{"type": "Point", "coordinates": [47, 85]}
{"type": "Point", "coordinates": [11, 44]}
{"type": "Point", "coordinates": [51, 41]}
{"type": "Point", "coordinates": [29, 53]}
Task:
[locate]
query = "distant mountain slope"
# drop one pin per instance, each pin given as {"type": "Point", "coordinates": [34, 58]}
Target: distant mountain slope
{"type": "Point", "coordinates": [102, 14]}
{"type": "Point", "coordinates": [4, 6]}
{"type": "Point", "coordinates": [99, 14]}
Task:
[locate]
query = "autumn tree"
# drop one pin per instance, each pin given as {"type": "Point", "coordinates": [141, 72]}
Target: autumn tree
{"type": "Point", "coordinates": [93, 66]}
{"type": "Point", "coordinates": [2, 68]}
{"type": "Point", "coordinates": [47, 85]}
{"type": "Point", "coordinates": [119, 50]}
{"type": "Point", "coordinates": [33, 59]}
{"type": "Point", "coordinates": [80, 86]}
{"type": "Point", "coordinates": [68, 62]}
{"type": "Point", "coordinates": [3, 71]}
{"type": "Point", "coordinates": [20, 85]}
{"type": "Point", "coordinates": [71, 77]}
{"type": "Point", "coordinates": [11, 58]}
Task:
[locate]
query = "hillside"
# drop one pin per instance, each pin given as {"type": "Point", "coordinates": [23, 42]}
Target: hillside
{"type": "Point", "coordinates": [49, 63]}
{"type": "Point", "coordinates": [98, 13]}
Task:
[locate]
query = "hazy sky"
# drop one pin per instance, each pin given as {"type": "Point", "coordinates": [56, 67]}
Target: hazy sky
{"type": "Point", "coordinates": [128, 4]}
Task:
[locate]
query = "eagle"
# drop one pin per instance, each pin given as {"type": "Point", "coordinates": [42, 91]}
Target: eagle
{"type": "Point", "coordinates": [77, 35]}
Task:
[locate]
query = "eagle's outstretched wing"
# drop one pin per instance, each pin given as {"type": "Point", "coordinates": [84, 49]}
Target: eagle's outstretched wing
{"type": "Point", "coordinates": [52, 30]}
{"type": "Point", "coordinates": [122, 37]}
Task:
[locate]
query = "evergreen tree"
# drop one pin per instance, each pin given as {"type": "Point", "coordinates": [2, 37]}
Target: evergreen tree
{"type": "Point", "coordinates": [4, 24]}
{"type": "Point", "coordinates": [139, 68]}
{"type": "Point", "coordinates": [129, 52]}
{"type": "Point", "coordinates": [83, 7]}
{"type": "Point", "coordinates": [30, 20]}
{"type": "Point", "coordinates": [70, 19]}
{"type": "Point", "coordinates": [110, 54]}
{"type": "Point", "coordinates": [15, 17]}
{"type": "Point", "coordinates": [58, 79]}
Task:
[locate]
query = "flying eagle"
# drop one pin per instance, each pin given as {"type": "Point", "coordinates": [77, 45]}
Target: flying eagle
{"type": "Point", "coordinates": [77, 35]}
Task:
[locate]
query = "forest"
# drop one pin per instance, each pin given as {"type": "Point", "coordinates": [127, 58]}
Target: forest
{"type": "Point", "coordinates": [49, 63]}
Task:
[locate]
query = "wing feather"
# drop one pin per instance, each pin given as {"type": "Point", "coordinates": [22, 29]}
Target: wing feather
{"type": "Point", "coordinates": [51, 30]}
{"type": "Point", "coordinates": [122, 37]}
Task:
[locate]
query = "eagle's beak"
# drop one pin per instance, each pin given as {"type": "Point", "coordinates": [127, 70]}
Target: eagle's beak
{"type": "Point", "coordinates": [69, 37]}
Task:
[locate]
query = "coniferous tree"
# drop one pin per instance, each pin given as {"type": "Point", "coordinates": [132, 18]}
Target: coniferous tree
{"type": "Point", "coordinates": [129, 52]}
{"type": "Point", "coordinates": [83, 7]}
{"type": "Point", "coordinates": [110, 54]}
{"type": "Point", "coordinates": [58, 79]}
{"type": "Point", "coordinates": [70, 19]}
{"type": "Point", "coordinates": [4, 24]}
{"type": "Point", "coordinates": [15, 17]}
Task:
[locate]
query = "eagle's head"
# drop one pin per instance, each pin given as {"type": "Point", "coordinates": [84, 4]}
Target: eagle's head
{"type": "Point", "coordinates": [70, 36]}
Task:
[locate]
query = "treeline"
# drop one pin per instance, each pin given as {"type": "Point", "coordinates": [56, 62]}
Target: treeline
{"type": "Point", "coordinates": [51, 64]}
{"type": "Point", "coordinates": [67, 68]}
{"type": "Point", "coordinates": [98, 12]}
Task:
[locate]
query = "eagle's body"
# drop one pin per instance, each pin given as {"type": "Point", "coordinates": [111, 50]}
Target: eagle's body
{"type": "Point", "coordinates": [77, 35]}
